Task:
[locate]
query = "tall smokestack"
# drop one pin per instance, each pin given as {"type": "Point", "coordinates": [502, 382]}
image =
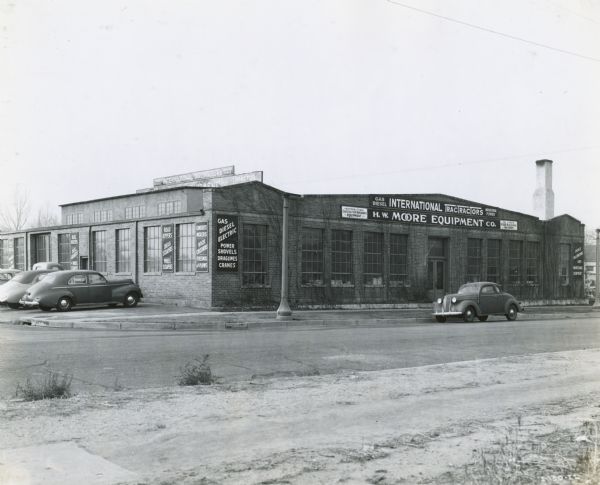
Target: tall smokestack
{"type": "Point", "coordinates": [543, 197]}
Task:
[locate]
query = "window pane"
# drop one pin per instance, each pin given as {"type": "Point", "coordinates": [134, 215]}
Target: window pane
{"type": "Point", "coordinates": [533, 251]}
{"type": "Point", "coordinates": [399, 258]}
{"type": "Point", "coordinates": [493, 260]}
{"type": "Point", "coordinates": [254, 254]}
{"type": "Point", "coordinates": [341, 258]}
{"type": "Point", "coordinates": [185, 235]}
{"type": "Point", "coordinates": [514, 262]}
{"type": "Point", "coordinates": [99, 253]}
{"type": "Point", "coordinates": [373, 262]}
{"type": "Point", "coordinates": [152, 249]}
{"type": "Point", "coordinates": [312, 256]}
{"type": "Point", "coordinates": [123, 251]}
{"type": "Point", "coordinates": [64, 250]}
{"type": "Point", "coordinates": [473, 260]}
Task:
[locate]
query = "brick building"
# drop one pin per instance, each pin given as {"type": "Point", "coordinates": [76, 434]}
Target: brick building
{"type": "Point", "coordinates": [213, 239]}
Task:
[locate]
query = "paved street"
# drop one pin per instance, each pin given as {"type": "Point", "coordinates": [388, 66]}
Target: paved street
{"type": "Point", "coordinates": [100, 359]}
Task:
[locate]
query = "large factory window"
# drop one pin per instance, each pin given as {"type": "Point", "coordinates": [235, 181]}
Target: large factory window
{"type": "Point", "coordinates": [254, 254]}
{"type": "Point", "coordinates": [312, 256]}
{"type": "Point", "coordinates": [373, 263]}
{"type": "Point", "coordinates": [99, 254]}
{"type": "Point", "coordinates": [152, 250]}
{"type": "Point", "coordinates": [19, 248]}
{"type": "Point", "coordinates": [123, 251]}
{"type": "Point", "coordinates": [532, 262]}
{"type": "Point", "coordinates": [474, 259]}
{"type": "Point", "coordinates": [493, 260]}
{"type": "Point", "coordinates": [64, 250]}
{"type": "Point", "coordinates": [341, 258]}
{"type": "Point", "coordinates": [399, 258]}
{"type": "Point", "coordinates": [515, 249]}
{"type": "Point", "coordinates": [185, 241]}
{"type": "Point", "coordinates": [563, 264]}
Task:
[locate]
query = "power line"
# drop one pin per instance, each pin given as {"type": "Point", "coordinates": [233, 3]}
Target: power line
{"type": "Point", "coordinates": [492, 31]}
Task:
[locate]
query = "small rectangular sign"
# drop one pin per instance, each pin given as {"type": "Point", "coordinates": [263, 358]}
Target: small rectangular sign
{"type": "Point", "coordinates": [354, 212]}
{"type": "Point", "coordinates": [74, 240]}
{"type": "Point", "coordinates": [227, 243]}
{"type": "Point", "coordinates": [167, 248]}
{"type": "Point", "coordinates": [509, 225]}
{"type": "Point", "coordinates": [202, 247]}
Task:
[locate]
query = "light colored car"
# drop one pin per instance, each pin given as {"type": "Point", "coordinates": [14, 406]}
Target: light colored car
{"type": "Point", "coordinates": [65, 289]}
{"type": "Point", "coordinates": [13, 290]}
{"type": "Point", "coordinates": [7, 274]}
{"type": "Point", "coordinates": [479, 300]}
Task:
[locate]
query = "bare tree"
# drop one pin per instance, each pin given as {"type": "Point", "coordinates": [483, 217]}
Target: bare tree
{"type": "Point", "coordinates": [46, 217]}
{"type": "Point", "coordinates": [13, 215]}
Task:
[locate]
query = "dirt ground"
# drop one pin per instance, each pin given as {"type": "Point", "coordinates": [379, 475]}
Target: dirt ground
{"type": "Point", "coordinates": [527, 419]}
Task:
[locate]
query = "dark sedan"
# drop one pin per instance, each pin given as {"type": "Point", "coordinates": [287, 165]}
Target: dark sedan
{"type": "Point", "coordinates": [65, 289]}
{"type": "Point", "coordinates": [13, 290]}
{"type": "Point", "coordinates": [477, 300]}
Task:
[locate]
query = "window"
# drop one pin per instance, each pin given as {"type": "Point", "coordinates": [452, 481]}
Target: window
{"type": "Point", "coordinates": [473, 260]}
{"type": "Point", "coordinates": [493, 260]}
{"type": "Point", "coordinates": [514, 262]}
{"type": "Point", "coordinates": [135, 212]}
{"type": "Point", "coordinates": [185, 251]}
{"type": "Point", "coordinates": [531, 260]}
{"type": "Point", "coordinates": [64, 250]}
{"type": "Point", "coordinates": [76, 218]}
{"type": "Point", "coordinates": [399, 258]}
{"type": "Point", "coordinates": [373, 263]}
{"type": "Point", "coordinates": [99, 253]}
{"type": "Point", "coordinates": [96, 279]}
{"type": "Point", "coordinates": [152, 251]}
{"type": "Point", "coordinates": [103, 215]}
{"type": "Point", "coordinates": [123, 251]}
{"type": "Point", "coordinates": [4, 253]}
{"type": "Point", "coordinates": [40, 248]}
{"type": "Point", "coordinates": [78, 279]}
{"type": "Point", "coordinates": [19, 249]}
{"type": "Point", "coordinates": [563, 264]}
{"type": "Point", "coordinates": [341, 258]}
{"type": "Point", "coordinates": [312, 257]}
{"type": "Point", "coordinates": [171, 207]}
{"type": "Point", "coordinates": [489, 290]}
{"type": "Point", "coordinates": [254, 254]}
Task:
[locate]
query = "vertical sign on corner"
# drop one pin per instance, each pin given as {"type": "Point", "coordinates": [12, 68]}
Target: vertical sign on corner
{"type": "Point", "coordinates": [167, 248]}
{"type": "Point", "coordinates": [202, 247]}
{"type": "Point", "coordinates": [74, 240]}
{"type": "Point", "coordinates": [227, 243]}
{"type": "Point", "coordinates": [578, 260]}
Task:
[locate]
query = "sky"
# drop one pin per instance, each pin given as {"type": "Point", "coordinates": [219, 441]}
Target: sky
{"type": "Point", "coordinates": [458, 97]}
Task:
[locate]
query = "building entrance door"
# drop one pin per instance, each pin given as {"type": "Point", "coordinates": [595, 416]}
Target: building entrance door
{"type": "Point", "coordinates": [436, 268]}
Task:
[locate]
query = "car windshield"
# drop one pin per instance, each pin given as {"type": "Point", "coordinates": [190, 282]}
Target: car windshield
{"type": "Point", "coordinates": [468, 289]}
{"type": "Point", "coordinates": [25, 277]}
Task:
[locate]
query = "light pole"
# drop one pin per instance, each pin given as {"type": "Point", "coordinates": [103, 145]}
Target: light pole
{"type": "Point", "coordinates": [284, 312]}
{"type": "Point", "coordinates": [597, 290]}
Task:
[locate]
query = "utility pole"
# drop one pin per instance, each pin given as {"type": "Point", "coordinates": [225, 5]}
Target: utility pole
{"type": "Point", "coordinates": [597, 290]}
{"type": "Point", "coordinates": [284, 312]}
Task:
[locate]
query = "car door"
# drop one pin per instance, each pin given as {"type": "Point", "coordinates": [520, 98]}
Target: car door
{"type": "Point", "coordinates": [78, 286]}
{"type": "Point", "coordinates": [99, 290]}
{"type": "Point", "coordinates": [490, 300]}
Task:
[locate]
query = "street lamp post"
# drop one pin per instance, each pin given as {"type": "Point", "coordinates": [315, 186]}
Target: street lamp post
{"type": "Point", "coordinates": [284, 312]}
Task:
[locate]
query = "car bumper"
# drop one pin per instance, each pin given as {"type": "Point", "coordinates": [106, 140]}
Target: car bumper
{"type": "Point", "coordinates": [29, 304]}
{"type": "Point", "coordinates": [446, 314]}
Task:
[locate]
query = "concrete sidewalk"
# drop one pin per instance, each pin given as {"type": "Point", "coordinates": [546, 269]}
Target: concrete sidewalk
{"type": "Point", "coordinates": [153, 316]}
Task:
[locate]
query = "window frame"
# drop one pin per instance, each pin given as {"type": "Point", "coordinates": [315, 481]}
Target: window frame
{"type": "Point", "coordinates": [342, 258]}
{"type": "Point", "coordinates": [251, 276]}
{"type": "Point", "coordinates": [373, 258]}
{"type": "Point", "coordinates": [312, 265]}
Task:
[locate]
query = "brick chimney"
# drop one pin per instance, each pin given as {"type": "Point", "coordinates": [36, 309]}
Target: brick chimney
{"type": "Point", "coordinates": [543, 197]}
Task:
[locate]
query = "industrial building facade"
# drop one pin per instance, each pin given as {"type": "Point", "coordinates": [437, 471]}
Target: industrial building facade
{"type": "Point", "coordinates": [214, 239]}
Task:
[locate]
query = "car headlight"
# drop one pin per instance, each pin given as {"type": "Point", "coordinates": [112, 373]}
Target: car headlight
{"type": "Point", "coordinates": [439, 300]}
{"type": "Point", "coordinates": [453, 299]}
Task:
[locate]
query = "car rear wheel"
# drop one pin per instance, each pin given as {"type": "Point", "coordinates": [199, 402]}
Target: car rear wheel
{"type": "Point", "coordinates": [483, 318]}
{"type": "Point", "coordinates": [131, 300]}
{"type": "Point", "coordinates": [440, 319]}
{"type": "Point", "coordinates": [45, 308]}
{"type": "Point", "coordinates": [64, 304]}
{"type": "Point", "coordinates": [512, 312]}
{"type": "Point", "coordinates": [469, 314]}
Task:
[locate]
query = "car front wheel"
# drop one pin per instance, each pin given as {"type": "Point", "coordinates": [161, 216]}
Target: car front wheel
{"type": "Point", "coordinates": [469, 314]}
{"type": "Point", "coordinates": [483, 318]}
{"type": "Point", "coordinates": [440, 319]}
{"type": "Point", "coordinates": [64, 304]}
{"type": "Point", "coordinates": [512, 313]}
{"type": "Point", "coordinates": [131, 300]}
{"type": "Point", "coordinates": [45, 308]}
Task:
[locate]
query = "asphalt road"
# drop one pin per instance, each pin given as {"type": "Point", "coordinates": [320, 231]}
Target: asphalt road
{"type": "Point", "coordinates": [100, 359]}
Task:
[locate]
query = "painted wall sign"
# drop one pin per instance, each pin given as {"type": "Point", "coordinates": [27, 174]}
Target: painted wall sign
{"type": "Point", "coordinates": [578, 260]}
{"type": "Point", "coordinates": [227, 243]}
{"type": "Point", "coordinates": [354, 212]}
{"type": "Point", "coordinates": [202, 247]}
{"type": "Point", "coordinates": [74, 241]}
{"type": "Point", "coordinates": [167, 248]}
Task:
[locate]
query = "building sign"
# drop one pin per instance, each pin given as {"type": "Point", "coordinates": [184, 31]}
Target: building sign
{"type": "Point", "coordinates": [202, 247]}
{"type": "Point", "coordinates": [509, 225]}
{"type": "Point", "coordinates": [227, 243]}
{"type": "Point", "coordinates": [354, 212]}
{"type": "Point", "coordinates": [578, 260]}
{"type": "Point", "coordinates": [74, 240]}
{"type": "Point", "coordinates": [167, 248]}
